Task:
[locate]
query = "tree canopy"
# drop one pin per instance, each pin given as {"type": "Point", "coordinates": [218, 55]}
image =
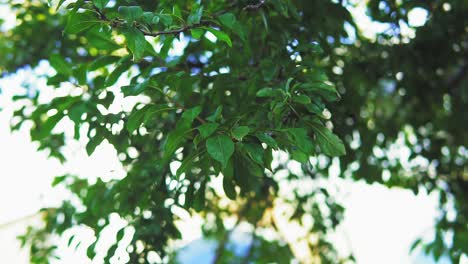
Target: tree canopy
{"type": "Point", "coordinates": [216, 88]}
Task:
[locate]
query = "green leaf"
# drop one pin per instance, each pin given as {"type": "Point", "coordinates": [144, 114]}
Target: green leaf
{"type": "Point", "coordinates": [100, 3]}
{"type": "Point", "coordinates": [199, 198]}
{"type": "Point", "coordinates": [93, 143]}
{"type": "Point", "coordinates": [173, 141]}
{"type": "Point", "coordinates": [228, 20]}
{"type": "Point", "coordinates": [117, 73]}
{"type": "Point", "coordinates": [207, 129]}
{"type": "Point", "coordinates": [165, 19]}
{"type": "Point", "coordinates": [187, 163]}
{"type": "Point", "coordinates": [316, 106]}
{"type": "Point", "coordinates": [57, 180]}
{"type": "Point", "coordinates": [154, 110]}
{"type": "Point", "coordinates": [135, 89]}
{"type": "Point", "coordinates": [46, 127]}
{"type": "Point", "coordinates": [264, 138]}
{"type": "Point", "coordinates": [120, 234]}
{"type": "Point", "coordinates": [176, 11]}
{"type": "Point", "coordinates": [302, 99]}
{"type": "Point", "coordinates": [221, 36]}
{"type": "Point", "coordinates": [328, 142]}
{"type": "Point", "coordinates": [101, 62]}
{"type": "Point", "coordinates": [148, 17]}
{"type": "Point", "coordinates": [255, 152]}
{"type": "Point", "coordinates": [288, 84]}
{"type": "Point", "coordinates": [101, 38]}
{"type": "Point", "coordinates": [80, 74]}
{"type": "Point", "coordinates": [216, 115]}
{"type": "Point", "coordinates": [300, 139]}
{"type": "Point", "coordinates": [130, 13]}
{"type": "Point", "coordinates": [135, 119]}
{"type": "Point", "coordinates": [265, 92]}
{"type": "Point", "coordinates": [220, 148]}
{"type": "Point", "coordinates": [177, 136]}
{"type": "Point", "coordinates": [247, 173]}
{"type": "Point", "coordinates": [197, 33]}
{"type": "Point", "coordinates": [136, 42]}
{"type": "Point", "coordinates": [268, 158]}
{"type": "Point", "coordinates": [78, 22]}
{"type": "Point", "coordinates": [229, 188]}
{"type": "Point", "coordinates": [195, 15]}
{"type": "Point", "coordinates": [188, 116]}
{"type": "Point", "coordinates": [324, 89]}
{"type": "Point", "coordinates": [60, 64]}
{"type": "Point", "coordinates": [240, 132]}
{"type": "Point", "coordinates": [90, 252]}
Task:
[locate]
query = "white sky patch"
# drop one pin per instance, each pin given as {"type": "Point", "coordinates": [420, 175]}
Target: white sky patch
{"type": "Point", "coordinates": [7, 16]}
{"type": "Point", "coordinates": [417, 17]}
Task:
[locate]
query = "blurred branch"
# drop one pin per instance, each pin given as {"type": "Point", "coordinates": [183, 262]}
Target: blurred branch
{"type": "Point", "coordinates": [21, 219]}
{"type": "Point", "coordinates": [454, 82]}
{"type": "Point", "coordinates": [222, 243]}
{"type": "Point", "coordinates": [175, 31]}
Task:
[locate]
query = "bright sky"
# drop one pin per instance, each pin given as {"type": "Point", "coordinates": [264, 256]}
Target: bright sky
{"type": "Point", "coordinates": [379, 226]}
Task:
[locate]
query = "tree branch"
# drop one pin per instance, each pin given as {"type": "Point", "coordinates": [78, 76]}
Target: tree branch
{"type": "Point", "coordinates": [175, 31]}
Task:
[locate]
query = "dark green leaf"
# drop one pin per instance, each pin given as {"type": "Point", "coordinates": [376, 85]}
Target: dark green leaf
{"type": "Point", "coordinates": [187, 164]}
{"type": "Point", "coordinates": [131, 13]}
{"type": "Point", "coordinates": [134, 89]}
{"type": "Point", "coordinates": [57, 180]}
{"type": "Point", "coordinates": [216, 115]}
{"type": "Point", "coordinates": [135, 119]}
{"type": "Point", "coordinates": [255, 152]}
{"type": "Point", "coordinates": [220, 35]}
{"type": "Point", "coordinates": [240, 132]}
{"type": "Point", "coordinates": [60, 64]}
{"type": "Point", "coordinates": [136, 42]}
{"type": "Point", "coordinates": [228, 20]}
{"type": "Point", "coordinates": [93, 143]}
{"type": "Point", "coordinates": [302, 99]}
{"type": "Point", "coordinates": [264, 138]}
{"type": "Point", "coordinates": [100, 3]}
{"type": "Point", "coordinates": [80, 74]}
{"type": "Point", "coordinates": [101, 62]}
{"type": "Point", "coordinates": [207, 129]}
{"type": "Point", "coordinates": [165, 18]}
{"type": "Point", "coordinates": [329, 143]}
{"type": "Point", "coordinates": [220, 148]}
{"type": "Point", "coordinates": [265, 92]}
{"type": "Point", "coordinates": [229, 188]}
{"type": "Point", "coordinates": [79, 22]}
{"type": "Point", "coordinates": [301, 140]}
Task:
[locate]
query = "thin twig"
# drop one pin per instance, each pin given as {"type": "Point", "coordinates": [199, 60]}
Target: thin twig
{"type": "Point", "coordinates": [254, 6]}
{"type": "Point", "coordinates": [175, 31]}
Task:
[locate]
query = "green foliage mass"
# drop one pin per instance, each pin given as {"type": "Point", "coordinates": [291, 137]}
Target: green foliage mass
{"type": "Point", "coordinates": [252, 78]}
